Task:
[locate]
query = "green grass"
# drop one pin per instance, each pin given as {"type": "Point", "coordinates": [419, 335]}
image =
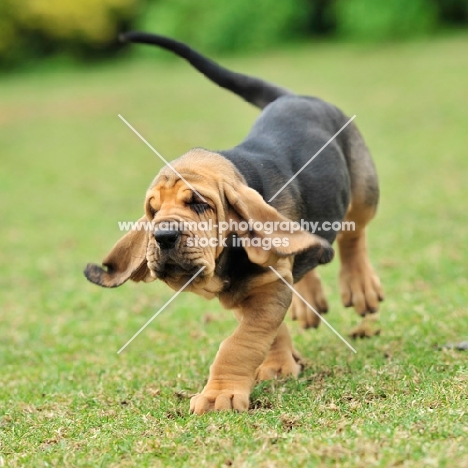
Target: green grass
{"type": "Point", "coordinates": [70, 170]}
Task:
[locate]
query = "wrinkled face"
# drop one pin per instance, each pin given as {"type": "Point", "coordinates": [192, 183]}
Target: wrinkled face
{"type": "Point", "coordinates": [190, 210]}
{"type": "Point", "coordinates": [185, 234]}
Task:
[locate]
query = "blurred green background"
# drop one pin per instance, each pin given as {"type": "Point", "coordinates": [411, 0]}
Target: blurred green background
{"type": "Point", "coordinates": [85, 29]}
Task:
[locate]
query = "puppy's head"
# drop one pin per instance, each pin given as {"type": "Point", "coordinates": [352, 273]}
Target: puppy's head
{"type": "Point", "coordinates": [191, 210]}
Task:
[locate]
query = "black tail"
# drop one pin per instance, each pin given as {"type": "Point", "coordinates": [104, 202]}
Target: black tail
{"type": "Point", "coordinates": [253, 90]}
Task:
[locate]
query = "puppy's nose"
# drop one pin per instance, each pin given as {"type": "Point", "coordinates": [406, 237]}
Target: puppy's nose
{"type": "Point", "coordinates": [166, 239]}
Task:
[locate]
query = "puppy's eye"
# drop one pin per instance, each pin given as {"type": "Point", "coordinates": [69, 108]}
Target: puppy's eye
{"type": "Point", "coordinates": [199, 207]}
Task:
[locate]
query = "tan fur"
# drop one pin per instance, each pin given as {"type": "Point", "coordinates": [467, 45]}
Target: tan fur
{"type": "Point", "coordinates": [260, 314]}
{"type": "Point", "coordinates": [282, 359]}
{"type": "Point", "coordinates": [230, 198]}
{"type": "Point", "coordinates": [260, 347]}
{"type": "Point", "coordinates": [310, 288]}
{"type": "Point", "coordinates": [359, 285]}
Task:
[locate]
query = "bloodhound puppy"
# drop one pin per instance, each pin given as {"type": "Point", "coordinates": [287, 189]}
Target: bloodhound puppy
{"type": "Point", "coordinates": [245, 188]}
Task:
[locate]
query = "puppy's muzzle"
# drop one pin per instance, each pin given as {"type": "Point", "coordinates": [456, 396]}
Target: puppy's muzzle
{"type": "Point", "coordinates": [167, 239]}
{"type": "Point", "coordinates": [171, 259]}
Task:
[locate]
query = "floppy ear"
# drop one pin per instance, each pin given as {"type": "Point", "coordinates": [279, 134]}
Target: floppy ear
{"type": "Point", "coordinates": [126, 260]}
{"type": "Point", "coordinates": [283, 241]}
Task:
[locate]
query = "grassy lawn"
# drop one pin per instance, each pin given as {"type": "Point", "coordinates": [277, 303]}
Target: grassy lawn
{"type": "Point", "coordinates": [70, 170]}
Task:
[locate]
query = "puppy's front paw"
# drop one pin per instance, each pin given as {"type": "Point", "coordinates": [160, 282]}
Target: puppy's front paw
{"type": "Point", "coordinates": [286, 364]}
{"type": "Point", "coordinates": [310, 288]}
{"type": "Point", "coordinates": [226, 397]}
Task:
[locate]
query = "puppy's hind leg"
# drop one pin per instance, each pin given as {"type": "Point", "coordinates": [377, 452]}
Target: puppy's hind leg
{"type": "Point", "coordinates": [359, 285]}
